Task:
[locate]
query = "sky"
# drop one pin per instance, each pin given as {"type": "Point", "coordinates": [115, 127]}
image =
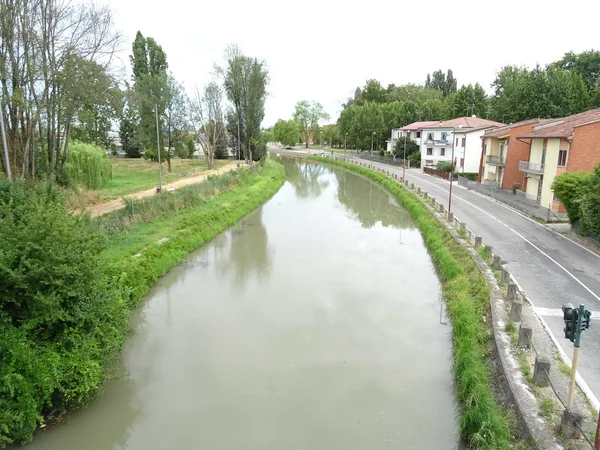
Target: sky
{"type": "Point", "coordinates": [322, 50]}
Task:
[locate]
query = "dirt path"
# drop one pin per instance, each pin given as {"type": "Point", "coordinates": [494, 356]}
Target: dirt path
{"type": "Point", "coordinates": [104, 208]}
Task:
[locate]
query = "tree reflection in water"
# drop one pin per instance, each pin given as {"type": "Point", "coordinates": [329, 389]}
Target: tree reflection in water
{"type": "Point", "coordinates": [308, 179]}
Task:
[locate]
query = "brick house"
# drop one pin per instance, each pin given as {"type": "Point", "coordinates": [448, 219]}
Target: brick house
{"type": "Point", "coordinates": [556, 146]}
{"type": "Point", "coordinates": [502, 152]}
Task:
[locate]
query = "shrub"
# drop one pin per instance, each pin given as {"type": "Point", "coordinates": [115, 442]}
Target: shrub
{"type": "Point", "coordinates": [444, 166]}
{"type": "Point", "coordinates": [381, 152]}
{"type": "Point", "coordinates": [88, 165]}
{"type": "Point", "coordinates": [570, 188]}
{"type": "Point", "coordinates": [469, 175]}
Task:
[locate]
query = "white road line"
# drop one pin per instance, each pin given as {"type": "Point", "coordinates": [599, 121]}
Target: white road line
{"type": "Point", "coordinates": [555, 312]}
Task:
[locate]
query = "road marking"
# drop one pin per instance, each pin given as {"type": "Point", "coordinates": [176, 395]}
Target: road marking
{"type": "Point", "coordinates": [555, 312]}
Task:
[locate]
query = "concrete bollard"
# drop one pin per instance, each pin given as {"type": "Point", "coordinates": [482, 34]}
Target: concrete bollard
{"type": "Point", "coordinates": [450, 217]}
{"type": "Point", "coordinates": [425, 195]}
{"type": "Point", "coordinates": [489, 249]}
{"type": "Point", "coordinates": [570, 423]}
{"type": "Point", "coordinates": [511, 292]}
{"type": "Point", "coordinates": [412, 185]}
{"type": "Point", "coordinates": [525, 333]}
{"type": "Point", "coordinates": [541, 369]}
{"type": "Point", "coordinates": [478, 241]}
{"type": "Point", "coordinates": [434, 202]}
{"type": "Point", "coordinates": [463, 227]}
{"type": "Point", "coordinates": [505, 276]}
{"type": "Point", "coordinates": [516, 308]}
{"type": "Point", "coordinates": [441, 207]}
{"type": "Point", "coordinates": [497, 263]}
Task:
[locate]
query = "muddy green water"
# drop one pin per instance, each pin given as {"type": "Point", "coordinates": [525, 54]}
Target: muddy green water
{"type": "Point", "coordinates": [316, 323]}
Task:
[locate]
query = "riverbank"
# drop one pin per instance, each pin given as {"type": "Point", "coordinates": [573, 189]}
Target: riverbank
{"type": "Point", "coordinates": [483, 422]}
{"type": "Point", "coordinates": [57, 355]}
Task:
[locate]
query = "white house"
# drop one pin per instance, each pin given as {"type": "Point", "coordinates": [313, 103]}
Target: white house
{"type": "Point", "coordinates": [464, 132]}
{"type": "Point", "coordinates": [412, 131]}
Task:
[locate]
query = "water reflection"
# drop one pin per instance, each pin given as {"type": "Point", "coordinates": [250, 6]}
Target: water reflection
{"type": "Point", "coordinates": [309, 179]}
{"type": "Point", "coordinates": [369, 204]}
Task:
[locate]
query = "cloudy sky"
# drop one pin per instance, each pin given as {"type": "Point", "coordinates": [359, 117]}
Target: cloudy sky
{"type": "Point", "coordinates": [322, 50]}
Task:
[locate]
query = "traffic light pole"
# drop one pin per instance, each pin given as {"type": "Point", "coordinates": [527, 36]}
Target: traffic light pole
{"type": "Point", "coordinates": [577, 343]}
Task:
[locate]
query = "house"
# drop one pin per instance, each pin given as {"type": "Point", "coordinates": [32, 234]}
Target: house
{"type": "Point", "coordinates": [412, 131]}
{"type": "Point", "coordinates": [461, 136]}
{"type": "Point", "coordinates": [556, 146]}
{"type": "Point", "coordinates": [502, 152]}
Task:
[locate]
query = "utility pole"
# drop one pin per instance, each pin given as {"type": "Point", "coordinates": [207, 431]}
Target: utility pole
{"type": "Point", "coordinates": [345, 136]}
{"type": "Point", "coordinates": [158, 145]}
{"type": "Point", "coordinates": [238, 161]}
{"type": "Point", "coordinates": [4, 144]}
{"type": "Point", "coordinates": [372, 137]}
{"type": "Point", "coordinates": [451, 169]}
{"type": "Point", "coordinates": [404, 160]}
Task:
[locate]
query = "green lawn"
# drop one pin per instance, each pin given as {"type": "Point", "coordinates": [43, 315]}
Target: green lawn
{"type": "Point", "coordinates": [132, 175]}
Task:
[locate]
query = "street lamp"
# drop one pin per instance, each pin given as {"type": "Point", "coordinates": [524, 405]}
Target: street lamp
{"type": "Point", "coordinates": [372, 137]}
{"type": "Point", "coordinates": [404, 161]}
{"type": "Point", "coordinates": [321, 139]}
{"type": "Point", "coordinates": [452, 166]}
{"type": "Point", "coordinates": [158, 145]}
{"type": "Point", "coordinates": [238, 139]}
{"type": "Point", "coordinates": [345, 136]}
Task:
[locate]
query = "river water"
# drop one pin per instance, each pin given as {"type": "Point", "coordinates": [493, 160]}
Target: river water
{"type": "Point", "coordinates": [316, 323]}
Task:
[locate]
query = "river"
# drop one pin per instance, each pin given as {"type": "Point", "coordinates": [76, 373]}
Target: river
{"type": "Point", "coordinates": [316, 323]}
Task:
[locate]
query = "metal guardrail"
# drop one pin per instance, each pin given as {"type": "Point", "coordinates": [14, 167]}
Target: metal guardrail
{"type": "Point", "coordinates": [387, 160]}
{"type": "Point", "coordinates": [526, 166]}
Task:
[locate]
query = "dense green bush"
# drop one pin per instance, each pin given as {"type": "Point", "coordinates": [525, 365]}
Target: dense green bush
{"type": "Point", "coordinates": [469, 175]}
{"type": "Point", "coordinates": [444, 166]}
{"type": "Point", "coordinates": [88, 165]}
{"type": "Point", "coordinates": [60, 318]}
{"type": "Point", "coordinates": [570, 187]}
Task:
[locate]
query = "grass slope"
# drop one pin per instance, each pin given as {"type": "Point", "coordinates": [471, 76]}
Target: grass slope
{"type": "Point", "coordinates": [483, 423]}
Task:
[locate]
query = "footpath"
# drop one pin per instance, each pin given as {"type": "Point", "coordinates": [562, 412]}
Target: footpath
{"type": "Point", "coordinates": [114, 205]}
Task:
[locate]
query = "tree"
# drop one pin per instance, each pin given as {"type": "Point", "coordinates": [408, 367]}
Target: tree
{"type": "Point", "coordinates": [445, 83]}
{"type": "Point", "coordinates": [209, 120]}
{"type": "Point", "coordinates": [245, 80]}
{"type": "Point", "coordinates": [151, 86]}
{"type": "Point", "coordinates": [413, 151]}
{"type": "Point", "coordinates": [586, 64]}
{"type": "Point", "coordinates": [46, 48]}
{"type": "Point", "coordinates": [331, 135]}
{"type": "Point", "coordinates": [373, 92]}
{"type": "Point", "coordinates": [286, 132]}
{"type": "Point", "coordinates": [307, 115]}
{"type": "Point", "coordinates": [469, 100]}
{"type": "Point", "coordinates": [177, 116]}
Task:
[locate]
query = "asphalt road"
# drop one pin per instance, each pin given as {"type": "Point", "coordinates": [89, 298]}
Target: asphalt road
{"type": "Point", "coordinates": [549, 268]}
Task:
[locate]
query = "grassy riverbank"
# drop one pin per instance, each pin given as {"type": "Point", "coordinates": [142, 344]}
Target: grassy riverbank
{"type": "Point", "coordinates": [70, 281]}
{"type": "Point", "coordinates": [483, 423]}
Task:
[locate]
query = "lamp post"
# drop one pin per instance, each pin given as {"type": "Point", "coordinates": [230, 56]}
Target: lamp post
{"type": "Point", "coordinates": [345, 136]}
{"type": "Point", "coordinates": [452, 167]}
{"type": "Point", "coordinates": [372, 137]}
{"type": "Point", "coordinates": [238, 139]}
{"type": "Point", "coordinates": [158, 145]}
{"type": "Point", "coordinates": [4, 144]}
{"type": "Point", "coordinates": [321, 139]}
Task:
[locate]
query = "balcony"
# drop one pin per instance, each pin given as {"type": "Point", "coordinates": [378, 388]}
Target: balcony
{"type": "Point", "coordinates": [440, 142]}
{"type": "Point", "coordinates": [526, 166]}
{"type": "Point", "coordinates": [495, 160]}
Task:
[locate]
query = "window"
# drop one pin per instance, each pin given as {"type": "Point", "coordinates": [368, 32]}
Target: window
{"type": "Point", "coordinates": [464, 141]}
{"type": "Point", "coordinates": [562, 158]}
{"type": "Point", "coordinates": [418, 134]}
{"type": "Point", "coordinates": [429, 162]}
{"type": "Point", "coordinates": [430, 136]}
{"type": "Point", "coordinates": [429, 151]}
{"type": "Point", "coordinates": [444, 136]}
{"type": "Point", "coordinates": [442, 152]}
{"type": "Point", "coordinates": [456, 142]}
{"type": "Point", "coordinates": [462, 162]}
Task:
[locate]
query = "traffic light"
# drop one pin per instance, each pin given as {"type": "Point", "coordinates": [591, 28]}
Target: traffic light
{"type": "Point", "coordinates": [585, 320]}
{"type": "Point", "coordinates": [570, 319]}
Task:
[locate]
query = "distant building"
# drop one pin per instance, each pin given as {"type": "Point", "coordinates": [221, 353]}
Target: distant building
{"type": "Point", "coordinates": [461, 135]}
{"type": "Point", "coordinates": [412, 131]}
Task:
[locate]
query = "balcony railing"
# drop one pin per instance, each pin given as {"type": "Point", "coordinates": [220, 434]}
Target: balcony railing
{"type": "Point", "coordinates": [495, 160]}
{"type": "Point", "coordinates": [526, 166]}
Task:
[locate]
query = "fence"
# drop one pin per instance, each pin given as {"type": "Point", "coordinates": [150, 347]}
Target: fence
{"type": "Point", "coordinates": [520, 200]}
{"type": "Point", "coordinates": [437, 173]}
{"type": "Point", "coordinates": [388, 160]}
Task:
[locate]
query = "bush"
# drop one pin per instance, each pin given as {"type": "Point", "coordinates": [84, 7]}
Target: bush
{"type": "Point", "coordinates": [570, 188]}
{"type": "Point", "coordinates": [469, 175]}
{"type": "Point", "coordinates": [88, 165]}
{"type": "Point", "coordinates": [61, 321]}
{"type": "Point", "coordinates": [444, 166]}
{"type": "Point", "coordinates": [381, 152]}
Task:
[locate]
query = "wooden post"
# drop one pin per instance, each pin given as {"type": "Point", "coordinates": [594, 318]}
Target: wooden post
{"type": "Point", "coordinates": [573, 375]}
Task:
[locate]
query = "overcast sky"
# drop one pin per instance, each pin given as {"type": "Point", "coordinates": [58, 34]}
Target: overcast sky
{"type": "Point", "coordinates": [322, 50]}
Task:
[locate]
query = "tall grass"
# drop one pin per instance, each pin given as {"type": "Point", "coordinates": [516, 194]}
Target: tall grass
{"type": "Point", "coordinates": [87, 165]}
{"type": "Point", "coordinates": [210, 208]}
{"type": "Point", "coordinates": [483, 423]}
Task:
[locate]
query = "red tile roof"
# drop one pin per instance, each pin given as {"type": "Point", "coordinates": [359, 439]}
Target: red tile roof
{"type": "Point", "coordinates": [505, 130]}
{"type": "Point", "coordinates": [469, 122]}
{"type": "Point", "coordinates": [563, 128]}
{"type": "Point", "coordinates": [417, 125]}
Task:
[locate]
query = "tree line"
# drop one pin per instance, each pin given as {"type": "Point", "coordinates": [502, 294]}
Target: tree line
{"type": "Point", "coordinates": [60, 83]}
{"type": "Point", "coordinates": [561, 88]}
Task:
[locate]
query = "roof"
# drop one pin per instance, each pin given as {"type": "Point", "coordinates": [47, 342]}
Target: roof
{"type": "Point", "coordinates": [417, 126]}
{"type": "Point", "coordinates": [505, 130]}
{"type": "Point", "coordinates": [565, 127]}
{"type": "Point", "coordinates": [466, 122]}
